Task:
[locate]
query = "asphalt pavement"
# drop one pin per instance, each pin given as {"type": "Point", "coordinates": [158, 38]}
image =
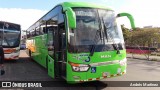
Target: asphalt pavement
{"type": "Point", "coordinates": [26, 69]}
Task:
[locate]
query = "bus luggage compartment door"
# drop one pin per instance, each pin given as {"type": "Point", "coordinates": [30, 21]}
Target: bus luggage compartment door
{"type": "Point", "coordinates": [50, 67]}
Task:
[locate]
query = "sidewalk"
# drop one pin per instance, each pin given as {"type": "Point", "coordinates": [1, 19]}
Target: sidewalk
{"type": "Point", "coordinates": [143, 57]}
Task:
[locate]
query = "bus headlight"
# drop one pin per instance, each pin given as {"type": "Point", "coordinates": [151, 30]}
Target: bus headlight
{"type": "Point", "coordinates": [123, 62]}
{"type": "Point", "coordinates": [79, 67]}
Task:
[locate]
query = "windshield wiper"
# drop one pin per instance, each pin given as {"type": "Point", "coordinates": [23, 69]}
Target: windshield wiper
{"type": "Point", "coordinates": [111, 37]}
{"type": "Point", "coordinates": [95, 42]}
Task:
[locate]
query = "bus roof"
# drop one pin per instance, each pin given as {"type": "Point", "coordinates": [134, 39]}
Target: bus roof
{"type": "Point", "coordinates": [83, 4]}
{"type": "Point", "coordinates": [76, 4]}
{"type": "Point", "coordinates": [9, 22]}
{"type": "Point", "coordinates": [9, 25]}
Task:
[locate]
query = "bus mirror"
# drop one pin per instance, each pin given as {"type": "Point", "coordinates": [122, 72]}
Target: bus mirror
{"type": "Point", "coordinates": [71, 18]}
{"type": "Point", "coordinates": [130, 17]}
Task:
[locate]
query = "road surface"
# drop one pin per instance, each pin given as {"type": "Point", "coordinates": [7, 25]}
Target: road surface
{"type": "Point", "coordinates": [25, 69]}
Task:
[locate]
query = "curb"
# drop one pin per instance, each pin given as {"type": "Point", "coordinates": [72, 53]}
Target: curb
{"type": "Point", "coordinates": [151, 59]}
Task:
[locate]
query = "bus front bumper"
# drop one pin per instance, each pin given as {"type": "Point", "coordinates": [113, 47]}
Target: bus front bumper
{"type": "Point", "coordinates": [97, 73]}
{"type": "Point", "coordinates": [12, 56]}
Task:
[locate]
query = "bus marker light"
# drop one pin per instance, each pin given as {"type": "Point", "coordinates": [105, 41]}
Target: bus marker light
{"type": "Point", "coordinates": [90, 79]}
{"type": "Point", "coordinates": [123, 72]}
{"type": "Point", "coordinates": [97, 78]}
{"type": "Point", "coordinates": [104, 76]}
{"type": "Point", "coordinates": [81, 81]}
{"type": "Point", "coordinates": [118, 74]}
{"type": "Point", "coordinates": [112, 75]}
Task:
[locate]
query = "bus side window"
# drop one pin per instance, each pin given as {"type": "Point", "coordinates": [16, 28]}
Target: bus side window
{"type": "Point", "coordinates": [62, 32]}
{"type": "Point", "coordinates": [45, 30]}
{"type": "Point", "coordinates": [37, 31]}
{"type": "Point", "coordinates": [62, 36]}
{"type": "Point", "coordinates": [50, 43]}
{"type": "Point", "coordinates": [51, 27]}
{"type": "Point", "coordinates": [31, 34]}
{"type": "Point", "coordinates": [41, 30]}
{"type": "Point", "coordinates": [28, 34]}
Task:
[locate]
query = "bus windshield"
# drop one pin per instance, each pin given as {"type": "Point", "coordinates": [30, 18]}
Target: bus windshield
{"type": "Point", "coordinates": [9, 35]}
{"type": "Point", "coordinates": [90, 29]}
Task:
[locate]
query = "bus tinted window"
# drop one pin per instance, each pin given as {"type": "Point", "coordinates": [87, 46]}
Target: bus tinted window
{"type": "Point", "coordinates": [42, 29]}
{"type": "Point", "coordinates": [51, 27]}
{"type": "Point", "coordinates": [61, 18]}
{"type": "Point", "coordinates": [32, 33]}
{"type": "Point", "coordinates": [10, 34]}
{"type": "Point", "coordinates": [10, 26]}
{"type": "Point", "coordinates": [28, 34]}
{"type": "Point", "coordinates": [37, 31]}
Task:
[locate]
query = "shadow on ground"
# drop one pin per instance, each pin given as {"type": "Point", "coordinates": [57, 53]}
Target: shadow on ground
{"type": "Point", "coordinates": [26, 69]}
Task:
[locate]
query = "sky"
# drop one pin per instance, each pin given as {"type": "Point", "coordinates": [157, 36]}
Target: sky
{"type": "Point", "coordinates": [26, 12]}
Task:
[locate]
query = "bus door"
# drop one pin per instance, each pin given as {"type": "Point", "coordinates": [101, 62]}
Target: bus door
{"type": "Point", "coordinates": [62, 50]}
{"type": "Point", "coordinates": [55, 44]}
{"type": "Point", "coordinates": [58, 42]}
{"type": "Point", "coordinates": [52, 29]}
{"type": "Point", "coordinates": [60, 45]}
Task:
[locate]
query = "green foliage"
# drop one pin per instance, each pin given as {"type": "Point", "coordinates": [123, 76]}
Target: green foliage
{"type": "Point", "coordinates": [126, 32]}
{"type": "Point", "coordinates": [141, 36]}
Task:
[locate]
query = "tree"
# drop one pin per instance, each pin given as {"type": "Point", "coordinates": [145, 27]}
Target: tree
{"type": "Point", "coordinates": [142, 37]}
{"type": "Point", "coordinates": [126, 32]}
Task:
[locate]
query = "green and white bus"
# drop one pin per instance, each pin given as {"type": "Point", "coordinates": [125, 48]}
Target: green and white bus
{"type": "Point", "coordinates": [79, 42]}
